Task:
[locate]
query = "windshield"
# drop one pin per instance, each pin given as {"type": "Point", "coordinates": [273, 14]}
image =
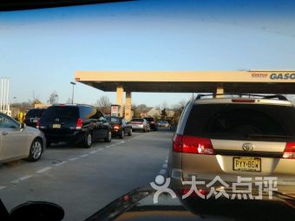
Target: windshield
{"type": "Point", "coordinates": [137, 120]}
{"type": "Point", "coordinates": [104, 97]}
{"type": "Point", "coordinates": [113, 119]}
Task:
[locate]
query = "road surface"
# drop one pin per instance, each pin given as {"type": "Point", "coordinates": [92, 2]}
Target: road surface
{"type": "Point", "coordinates": [84, 180]}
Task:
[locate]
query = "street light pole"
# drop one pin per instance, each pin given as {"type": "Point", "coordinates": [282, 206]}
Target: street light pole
{"type": "Point", "coordinates": [73, 83]}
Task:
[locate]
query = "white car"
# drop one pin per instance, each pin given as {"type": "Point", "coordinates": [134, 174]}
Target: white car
{"type": "Point", "coordinates": [140, 124]}
{"type": "Point", "coordinates": [17, 141]}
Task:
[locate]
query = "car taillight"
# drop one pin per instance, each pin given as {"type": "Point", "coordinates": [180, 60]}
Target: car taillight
{"type": "Point", "coordinates": [38, 124]}
{"type": "Point", "coordinates": [117, 127]}
{"type": "Point", "coordinates": [79, 124]}
{"type": "Point", "coordinates": [190, 144]}
{"type": "Point", "coordinates": [289, 152]}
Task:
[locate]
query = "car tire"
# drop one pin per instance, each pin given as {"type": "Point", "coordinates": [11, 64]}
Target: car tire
{"type": "Point", "coordinates": [122, 134]}
{"type": "Point", "coordinates": [130, 132]}
{"type": "Point", "coordinates": [36, 150]}
{"type": "Point", "coordinates": [87, 142]}
{"type": "Point", "coordinates": [108, 137]}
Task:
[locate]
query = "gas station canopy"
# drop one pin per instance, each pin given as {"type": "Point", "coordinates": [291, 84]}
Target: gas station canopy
{"type": "Point", "coordinates": [217, 82]}
{"type": "Point", "coordinates": [282, 82]}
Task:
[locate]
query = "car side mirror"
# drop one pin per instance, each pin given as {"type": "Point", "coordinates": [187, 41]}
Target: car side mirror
{"type": "Point", "coordinates": [37, 210]}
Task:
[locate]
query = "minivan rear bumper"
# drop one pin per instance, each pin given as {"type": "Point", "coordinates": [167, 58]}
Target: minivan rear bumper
{"type": "Point", "coordinates": [183, 166]}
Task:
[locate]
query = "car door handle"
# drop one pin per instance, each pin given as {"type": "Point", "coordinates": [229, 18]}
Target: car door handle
{"type": "Point", "coordinates": [4, 133]}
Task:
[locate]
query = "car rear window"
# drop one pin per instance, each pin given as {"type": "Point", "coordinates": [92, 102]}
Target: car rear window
{"type": "Point", "coordinates": [35, 113]}
{"type": "Point", "coordinates": [149, 119]}
{"type": "Point", "coordinates": [114, 119]}
{"type": "Point", "coordinates": [242, 122]}
{"type": "Point", "coordinates": [61, 112]}
{"type": "Point", "coordinates": [137, 120]}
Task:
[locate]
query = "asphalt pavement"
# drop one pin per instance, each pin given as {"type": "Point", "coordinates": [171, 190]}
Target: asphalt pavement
{"type": "Point", "coordinates": [83, 181]}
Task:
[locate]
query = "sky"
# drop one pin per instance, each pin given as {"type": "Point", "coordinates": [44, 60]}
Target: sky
{"type": "Point", "coordinates": [41, 49]}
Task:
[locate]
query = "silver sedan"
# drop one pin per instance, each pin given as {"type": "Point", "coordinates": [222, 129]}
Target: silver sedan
{"type": "Point", "coordinates": [18, 141]}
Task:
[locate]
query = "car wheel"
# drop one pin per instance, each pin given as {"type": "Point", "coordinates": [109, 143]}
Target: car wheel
{"type": "Point", "coordinates": [122, 134]}
{"type": "Point", "coordinates": [130, 132]}
{"type": "Point", "coordinates": [87, 140]}
{"type": "Point", "coordinates": [36, 150]}
{"type": "Point", "coordinates": [109, 137]}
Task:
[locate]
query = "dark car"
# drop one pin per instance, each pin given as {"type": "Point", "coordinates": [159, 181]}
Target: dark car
{"type": "Point", "coordinates": [33, 116]}
{"type": "Point", "coordinates": [139, 205]}
{"type": "Point", "coordinates": [152, 122]}
{"type": "Point", "coordinates": [74, 124]}
{"type": "Point", "coordinates": [120, 127]}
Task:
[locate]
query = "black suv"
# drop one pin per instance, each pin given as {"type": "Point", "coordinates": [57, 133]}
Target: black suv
{"type": "Point", "coordinates": [33, 116]}
{"type": "Point", "coordinates": [152, 122]}
{"type": "Point", "coordinates": [74, 124]}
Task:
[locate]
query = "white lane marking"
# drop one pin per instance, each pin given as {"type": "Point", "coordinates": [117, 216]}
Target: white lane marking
{"type": "Point", "coordinates": [165, 165]}
{"type": "Point", "coordinates": [15, 181]}
{"type": "Point", "coordinates": [93, 152]}
{"type": "Point", "coordinates": [110, 145]}
{"type": "Point", "coordinates": [2, 187]}
{"type": "Point", "coordinates": [61, 163]}
{"type": "Point", "coordinates": [43, 169]}
{"type": "Point", "coordinates": [21, 179]}
{"type": "Point", "coordinates": [25, 177]}
{"type": "Point", "coordinates": [74, 158]}
{"type": "Point", "coordinates": [84, 155]}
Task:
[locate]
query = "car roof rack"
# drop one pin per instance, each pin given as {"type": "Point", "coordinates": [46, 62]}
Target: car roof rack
{"type": "Point", "coordinates": [241, 95]}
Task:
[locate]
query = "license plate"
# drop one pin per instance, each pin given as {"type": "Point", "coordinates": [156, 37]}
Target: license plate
{"type": "Point", "coordinates": [250, 164]}
{"type": "Point", "coordinates": [35, 120]}
{"type": "Point", "coordinates": [56, 126]}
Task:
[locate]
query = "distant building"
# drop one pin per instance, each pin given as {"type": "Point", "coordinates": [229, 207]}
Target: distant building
{"type": "Point", "coordinates": [157, 112]}
{"type": "Point", "coordinates": [154, 112]}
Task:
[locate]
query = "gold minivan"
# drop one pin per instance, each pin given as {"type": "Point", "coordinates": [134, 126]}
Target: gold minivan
{"type": "Point", "coordinates": [252, 136]}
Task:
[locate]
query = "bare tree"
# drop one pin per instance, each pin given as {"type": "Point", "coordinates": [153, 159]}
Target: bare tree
{"type": "Point", "coordinates": [104, 104]}
{"type": "Point", "coordinates": [164, 105]}
{"type": "Point", "coordinates": [53, 98]}
{"type": "Point", "coordinates": [178, 108]}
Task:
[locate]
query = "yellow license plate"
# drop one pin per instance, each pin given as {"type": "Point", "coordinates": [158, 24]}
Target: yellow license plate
{"type": "Point", "coordinates": [56, 126]}
{"type": "Point", "coordinates": [250, 164]}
